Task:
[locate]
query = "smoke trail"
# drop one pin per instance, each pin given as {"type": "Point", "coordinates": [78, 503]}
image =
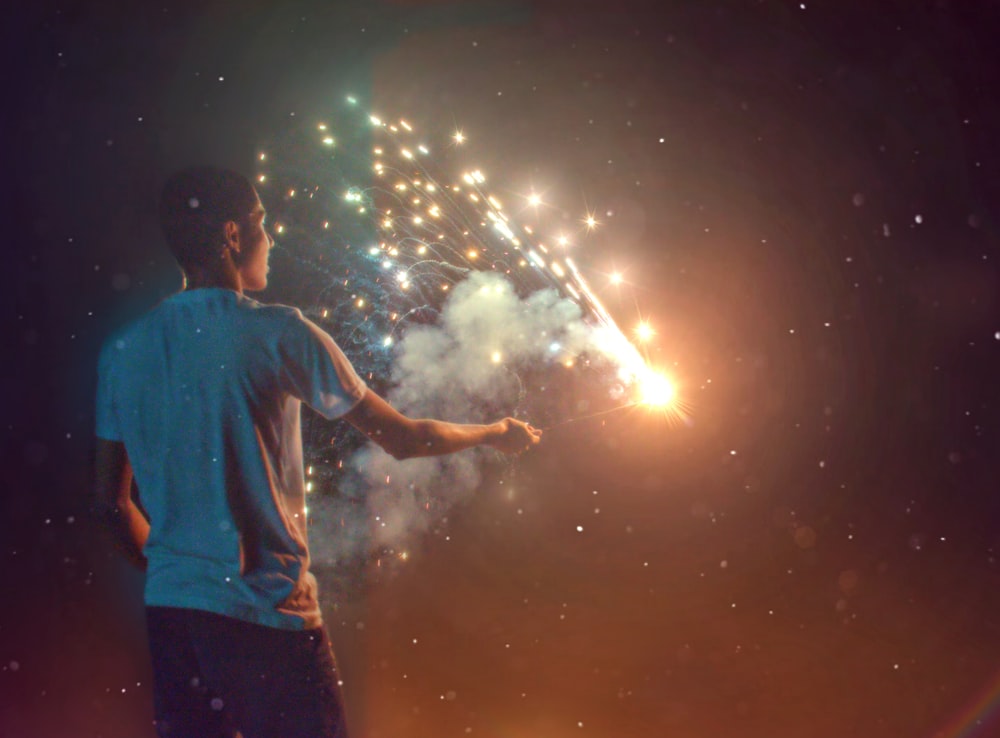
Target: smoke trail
{"type": "Point", "coordinates": [464, 368]}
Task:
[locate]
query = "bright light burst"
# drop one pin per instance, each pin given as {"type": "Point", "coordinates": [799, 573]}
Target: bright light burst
{"type": "Point", "coordinates": [655, 389]}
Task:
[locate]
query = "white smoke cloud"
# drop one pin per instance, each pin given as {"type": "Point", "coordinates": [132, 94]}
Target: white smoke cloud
{"type": "Point", "coordinates": [464, 368]}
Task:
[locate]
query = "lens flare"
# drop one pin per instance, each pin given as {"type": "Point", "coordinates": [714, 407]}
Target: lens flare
{"type": "Point", "coordinates": [644, 331]}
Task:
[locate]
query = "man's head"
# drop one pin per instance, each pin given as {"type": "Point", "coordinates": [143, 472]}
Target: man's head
{"type": "Point", "coordinates": [213, 221]}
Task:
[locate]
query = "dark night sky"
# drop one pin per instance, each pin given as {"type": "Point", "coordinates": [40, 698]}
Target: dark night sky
{"type": "Point", "coordinates": [803, 197]}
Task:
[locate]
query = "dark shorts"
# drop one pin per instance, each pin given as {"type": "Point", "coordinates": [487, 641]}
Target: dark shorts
{"type": "Point", "coordinates": [215, 676]}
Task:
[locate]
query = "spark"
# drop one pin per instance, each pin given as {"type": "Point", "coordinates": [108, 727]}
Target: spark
{"type": "Point", "coordinates": [644, 331]}
{"type": "Point", "coordinates": [455, 222]}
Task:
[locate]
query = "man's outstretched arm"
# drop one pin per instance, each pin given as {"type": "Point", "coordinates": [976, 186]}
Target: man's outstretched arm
{"type": "Point", "coordinates": [126, 523]}
{"type": "Point", "coordinates": [405, 437]}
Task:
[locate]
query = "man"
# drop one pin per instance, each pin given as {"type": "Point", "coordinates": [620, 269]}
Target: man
{"type": "Point", "coordinates": [199, 401]}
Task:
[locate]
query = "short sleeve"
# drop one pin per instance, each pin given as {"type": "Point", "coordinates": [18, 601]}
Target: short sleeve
{"type": "Point", "coordinates": [316, 370]}
{"type": "Point", "coordinates": [106, 416]}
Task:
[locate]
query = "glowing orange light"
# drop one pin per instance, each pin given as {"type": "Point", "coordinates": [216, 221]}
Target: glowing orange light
{"type": "Point", "coordinates": [655, 389]}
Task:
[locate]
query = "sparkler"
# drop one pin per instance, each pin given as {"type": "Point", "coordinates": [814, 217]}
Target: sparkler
{"type": "Point", "coordinates": [416, 234]}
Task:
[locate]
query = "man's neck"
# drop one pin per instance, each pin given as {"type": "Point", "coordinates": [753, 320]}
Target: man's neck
{"type": "Point", "coordinates": [202, 280]}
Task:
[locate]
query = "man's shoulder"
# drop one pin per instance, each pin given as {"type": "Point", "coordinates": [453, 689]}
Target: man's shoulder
{"type": "Point", "coordinates": [239, 312]}
{"type": "Point", "coordinates": [269, 309]}
{"type": "Point", "coordinates": [276, 316]}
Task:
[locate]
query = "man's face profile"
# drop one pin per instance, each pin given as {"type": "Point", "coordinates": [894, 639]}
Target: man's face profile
{"type": "Point", "coordinates": [256, 244]}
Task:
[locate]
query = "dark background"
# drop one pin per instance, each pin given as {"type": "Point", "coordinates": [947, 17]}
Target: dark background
{"type": "Point", "coordinates": [804, 202]}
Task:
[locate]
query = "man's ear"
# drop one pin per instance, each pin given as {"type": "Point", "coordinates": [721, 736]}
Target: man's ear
{"type": "Point", "coordinates": [231, 232]}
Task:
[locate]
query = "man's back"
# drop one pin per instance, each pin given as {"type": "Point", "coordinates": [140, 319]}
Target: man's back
{"type": "Point", "coordinates": [204, 393]}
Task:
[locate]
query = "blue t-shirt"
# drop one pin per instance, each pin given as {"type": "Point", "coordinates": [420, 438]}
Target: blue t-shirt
{"type": "Point", "coordinates": [205, 392]}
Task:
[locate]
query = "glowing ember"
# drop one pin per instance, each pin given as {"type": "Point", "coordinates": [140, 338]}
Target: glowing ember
{"type": "Point", "coordinates": [655, 389]}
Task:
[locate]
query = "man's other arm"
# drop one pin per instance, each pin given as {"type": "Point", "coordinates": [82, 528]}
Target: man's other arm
{"type": "Point", "coordinates": [406, 438]}
{"type": "Point", "coordinates": [126, 523]}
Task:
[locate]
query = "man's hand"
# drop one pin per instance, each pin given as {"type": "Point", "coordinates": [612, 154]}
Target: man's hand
{"type": "Point", "coordinates": [113, 496]}
{"type": "Point", "coordinates": [515, 436]}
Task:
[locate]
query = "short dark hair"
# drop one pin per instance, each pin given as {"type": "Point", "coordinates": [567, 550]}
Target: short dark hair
{"type": "Point", "coordinates": [194, 205]}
